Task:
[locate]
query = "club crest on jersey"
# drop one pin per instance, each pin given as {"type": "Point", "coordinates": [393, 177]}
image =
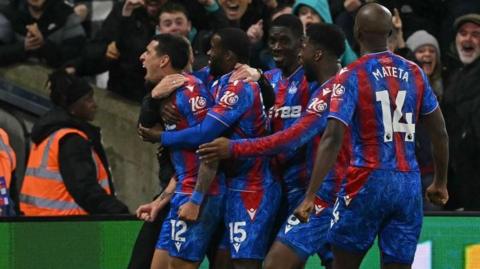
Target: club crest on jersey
{"type": "Point", "coordinates": [338, 89]}
{"type": "Point", "coordinates": [293, 88]}
{"type": "Point", "coordinates": [197, 103]}
{"type": "Point", "coordinates": [229, 98]}
{"type": "Point", "coordinates": [317, 105]}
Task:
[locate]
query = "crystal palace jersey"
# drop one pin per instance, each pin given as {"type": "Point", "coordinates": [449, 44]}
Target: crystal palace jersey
{"type": "Point", "coordinates": [380, 98]}
{"type": "Point", "coordinates": [192, 101]}
{"type": "Point", "coordinates": [291, 97]}
{"type": "Point", "coordinates": [239, 107]}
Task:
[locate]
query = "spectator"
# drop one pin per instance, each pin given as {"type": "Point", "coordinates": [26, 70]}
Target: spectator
{"type": "Point", "coordinates": [318, 11]}
{"type": "Point", "coordinates": [461, 106]}
{"type": "Point", "coordinates": [426, 53]}
{"type": "Point", "coordinates": [46, 30]}
{"type": "Point", "coordinates": [243, 13]}
{"type": "Point", "coordinates": [396, 42]}
{"type": "Point", "coordinates": [174, 18]}
{"type": "Point", "coordinates": [8, 162]}
{"type": "Point", "coordinates": [67, 171]}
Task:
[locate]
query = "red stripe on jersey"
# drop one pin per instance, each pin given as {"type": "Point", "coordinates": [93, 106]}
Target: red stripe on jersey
{"type": "Point", "coordinates": [393, 89]}
{"type": "Point", "coordinates": [251, 202]}
{"type": "Point", "coordinates": [277, 122]}
{"type": "Point", "coordinates": [420, 84]}
{"type": "Point", "coordinates": [367, 119]}
{"type": "Point", "coordinates": [356, 179]}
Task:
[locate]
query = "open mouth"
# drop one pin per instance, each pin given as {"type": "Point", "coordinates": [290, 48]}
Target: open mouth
{"type": "Point", "coordinates": [468, 48]}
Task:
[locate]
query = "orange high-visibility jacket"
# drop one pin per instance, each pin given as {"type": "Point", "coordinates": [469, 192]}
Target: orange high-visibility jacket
{"type": "Point", "coordinates": [8, 160]}
{"type": "Point", "coordinates": [43, 191]}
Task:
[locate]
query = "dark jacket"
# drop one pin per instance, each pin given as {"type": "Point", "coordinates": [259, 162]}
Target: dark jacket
{"type": "Point", "coordinates": [77, 166]}
{"type": "Point", "coordinates": [461, 108]}
{"type": "Point", "coordinates": [61, 29]}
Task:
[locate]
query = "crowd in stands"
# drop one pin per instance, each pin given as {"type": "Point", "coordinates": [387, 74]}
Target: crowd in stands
{"type": "Point", "coordinates": [88, 38]}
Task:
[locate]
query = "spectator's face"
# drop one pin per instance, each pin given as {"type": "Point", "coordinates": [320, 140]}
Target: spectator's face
{"type": "Point", "coordinates": [217, 56]}
{"type": "Point", "coordinates": [467, 42]}
{"type": "Point", "coordinates": [308, 16]}
{"type": "Point", "coordinates": [152, 63]}
{"type": "Point", "coordinates": [84, 108]}
{"type": "Point", "coordinates": [284, 46]}
{"type": "Point", "coordinates": [307, 56]}
{"type": "Point", "coordinates": [174, 23]}
{"type": "Point", "coordinates": [153, 7]}
{"type": "Point", "coordinates": [36, 4]}
{"type": "Point", "coordinates": [426, 56]}
{"type": "Point", "coordinates": [234, 9]}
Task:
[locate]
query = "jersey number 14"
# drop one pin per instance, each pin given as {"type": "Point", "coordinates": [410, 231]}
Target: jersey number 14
{"type": "Point", "coordinates": [393, 124]}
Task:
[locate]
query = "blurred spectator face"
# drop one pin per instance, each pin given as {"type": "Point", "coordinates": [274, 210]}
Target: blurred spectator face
{"type": "Point", "coordinates": [306, 55]}
{"type": "Point", "coordinates": [84, 108]}
{"type": "Point", "coordinates": [426, 56]}
{"type": "Point", "coordinates": [36, 4]}
{"type": "Point", "coordinates": [152, 63]}
{"type": "Point", "coordinates": [467, 42]}
{"type": "Point", "coordinates": [285, 10]}
{"type": "Point", "coordinates": [153, 7]}
{"type": "Point", "coordinates": [308, 16]}
{"type": "Point", "coordinates": [174, 23]}
{"type": "Point", "coordinates": [234, 9]}
{"type": "Point", "coordinates": [217, 55]}
{"type": "Point", "coordinates": [284, 46]}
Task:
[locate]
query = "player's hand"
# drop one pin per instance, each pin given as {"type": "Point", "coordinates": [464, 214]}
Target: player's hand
{"type": "Point", "coordinates": [149, 212]}
{"type": "Point", "coordinates": [437, 194]}
{"type": "Point", "coordinates": [112, 51]}
{"type": "Point", "coordinates": [189, 212]}
{"type": "Point", "coordinates": [303, 211]}
{"type": "Point", "coordinates": [218, 149]}
{"type": "Point", "coordinates": [244, 72]}
{"type": "Point", "coordinates": [150, 134]}
{"type": "Point", "coordinates": [167, 85]}
{"type": "Point", "coordinates": [255, 32]}
{"type": "Point", "coordinates": [169, 114]}
{"type": "Point", "coordinates": [130, 6]}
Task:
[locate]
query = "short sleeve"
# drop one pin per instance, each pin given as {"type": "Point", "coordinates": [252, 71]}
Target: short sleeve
{"type": "Point", "coordinates": [429, 100]}
{"type": "Point", "coordinates": [344, 99]}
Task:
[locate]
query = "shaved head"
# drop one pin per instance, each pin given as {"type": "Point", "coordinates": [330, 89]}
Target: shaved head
{"type": "Point", "coordinates": [373, 25]}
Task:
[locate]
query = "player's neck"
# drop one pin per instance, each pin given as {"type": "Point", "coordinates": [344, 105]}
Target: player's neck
{"type": "Point", "coordinates": [171, 71]}
{"type": "Point", "coordinates": [374, 48]}
{"type": "Point", "coordinates": [288, 71]}
{"type": "Point", "coordinates": [326, 71]}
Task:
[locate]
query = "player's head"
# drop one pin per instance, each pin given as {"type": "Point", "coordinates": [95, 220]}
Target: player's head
{"type": "Point", "coordinates": [323, 44]}
{"type": "Point", "coordinates": [73, 94]}
{"type": "Point", "coordinates": [284, 40]}
{"type": "Point", "coordinates": [165, 53]}
{"type": "Point", "coordinates": [373, 25]}
{"type": "Point", "coordinates": [228, 47]}
{"type": "Point", "coordinates": [173, 19]}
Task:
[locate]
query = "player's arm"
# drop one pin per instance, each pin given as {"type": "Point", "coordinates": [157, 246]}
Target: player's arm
{"type": "Point", "coordinates": [301, 131]}
{"type": "Point", "coordinates": [206, 174]}
{"type": "Point", "coordinates": [435, 126]}
{"type": "Point", "coordinates": [327, 153]}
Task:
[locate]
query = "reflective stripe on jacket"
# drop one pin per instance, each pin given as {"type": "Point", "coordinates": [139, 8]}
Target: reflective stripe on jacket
{"type": "Point", "coordinates": [43, 191]}
{"type": "Point", "coordinates": [8, 159]}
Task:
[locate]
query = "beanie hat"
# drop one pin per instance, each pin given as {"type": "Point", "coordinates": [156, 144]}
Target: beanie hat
{"type": "Point", "coordinates": [237, 41]}
{"type": "Point", "coordinates": [320, 6]}
{"type": "Point", "coordinates": [66, 89]}
{"type": "Point", "coordinates": [420, 38]}
{"type": "Point", "coordinates": [472, 17]}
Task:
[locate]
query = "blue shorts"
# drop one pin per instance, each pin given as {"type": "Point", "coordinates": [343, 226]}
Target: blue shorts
{"type": "Point", "coordinates": [309, 238]}
{"type": "Point", "coordinates": [249, 218]}
{"type": "Point", "coordinates": [190, 241]}
{"type": "Point", "coordinates": [387, 204]}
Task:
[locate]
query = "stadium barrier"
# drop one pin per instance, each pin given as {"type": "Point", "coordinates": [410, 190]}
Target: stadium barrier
{"type": "Point", "coordinates": [448, 240]}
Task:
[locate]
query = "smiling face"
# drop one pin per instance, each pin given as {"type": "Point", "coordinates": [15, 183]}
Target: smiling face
{"type": "Point", "coordinates": [234, 9]}
{"type": "Point", "coordinates": [426, 56]}
{"type": "Point", "coordinates": [284, 46]}
{"type": "Point", "coordinates": [174, 23]}
{"type": "Point", "coordinates": [216, 55]}
{"type": "Point", "coordinates": [467, 42]}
